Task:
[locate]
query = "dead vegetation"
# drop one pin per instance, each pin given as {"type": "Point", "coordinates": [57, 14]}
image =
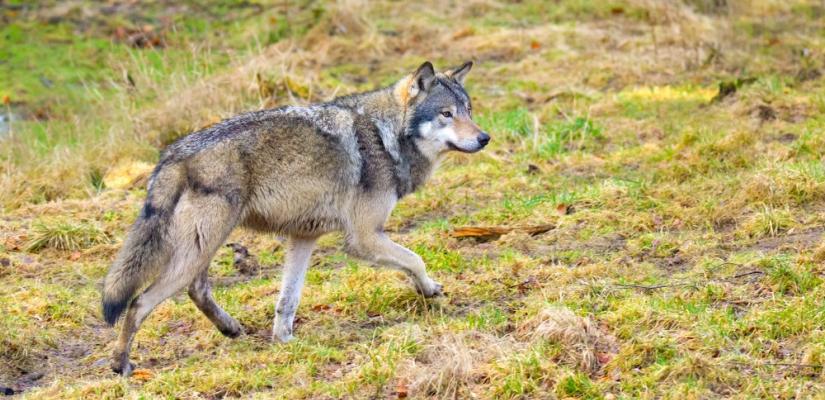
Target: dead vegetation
{"type": "Point", "coordinates": [447, 368]}
{"type": "Point", "coordinates": [65, 235]}
{"type": "Point", "coordinates": [580, 339]}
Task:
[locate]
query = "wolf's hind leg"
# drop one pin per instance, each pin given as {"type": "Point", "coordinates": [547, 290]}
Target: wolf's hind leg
{"type": "Point", "coordinates": [377, 248]}
{"type": "Point", "coordinates": [298, 254]}
{"type": "Point", "coordinates": [201, 294]}
{"type": "Point", "coordinates": [139, 309]}
{"type": "Point", "coordinates": [199, 227]}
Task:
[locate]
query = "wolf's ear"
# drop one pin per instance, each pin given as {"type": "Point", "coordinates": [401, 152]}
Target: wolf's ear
{"type": "Point", "coordinates": [460, 73]}
{"type": "Point", "coordinates": [422, 79]}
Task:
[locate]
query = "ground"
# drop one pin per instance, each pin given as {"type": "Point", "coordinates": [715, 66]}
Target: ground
{"type": "Point", "coordinates": [670, 151]}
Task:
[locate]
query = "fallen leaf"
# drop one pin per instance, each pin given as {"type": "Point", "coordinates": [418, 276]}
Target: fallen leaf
{"type": "Point", "coordinates": [479, 231]}
{"type": "Point", "coordinates": [494, 232]}
{"type": "Point", "coordinates": [142, 374]}
{"type": "Point", "coordinates": [321, 307]}
{"type": "Point", "coordinates": [535, 45]}
{"type": "Point", "coordinates": [402, 389]}
{"type": "Point", "coordinates": [15, 242]}
{"type": "Point", "coordinates": [604, 358]}
{"type": "Point", "coordinates": [462, 33]}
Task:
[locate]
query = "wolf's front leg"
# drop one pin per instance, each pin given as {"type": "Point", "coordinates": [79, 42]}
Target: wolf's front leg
{"type": "Point", "coordinates": [377, 248]}
{"type": "Point", "coordinates": [298, 254]}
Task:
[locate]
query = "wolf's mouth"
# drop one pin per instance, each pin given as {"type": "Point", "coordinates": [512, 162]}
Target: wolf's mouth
{"type": "Point", "coordinates": [452, 146]}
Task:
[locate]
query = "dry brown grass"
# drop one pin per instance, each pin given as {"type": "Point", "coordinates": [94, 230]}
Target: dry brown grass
{"type": "Point", "coordinates": [451, 364]}
{"type": "Point", "coordinates": [671, 40]}
{"type": "Point", "coordinates": [580, 338]}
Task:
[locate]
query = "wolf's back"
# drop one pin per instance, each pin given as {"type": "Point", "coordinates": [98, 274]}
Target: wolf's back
{"type": "Point", "coordinates": [146, 248]}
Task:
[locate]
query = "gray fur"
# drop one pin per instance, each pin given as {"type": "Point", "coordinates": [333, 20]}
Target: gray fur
{"type": "Point", "coordinates": [300, 172]}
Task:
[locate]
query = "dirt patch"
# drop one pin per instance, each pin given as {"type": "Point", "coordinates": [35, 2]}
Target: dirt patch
{"type": "Point", "coordinates": [672, 265]}
{"type": "Point", "coordinates": [796, 241]}
{"type": "Point", "coordinates": [67, 357]}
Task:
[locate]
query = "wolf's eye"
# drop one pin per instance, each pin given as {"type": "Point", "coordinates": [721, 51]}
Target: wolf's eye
{"type": "Point", "coordinates": [447, 114]}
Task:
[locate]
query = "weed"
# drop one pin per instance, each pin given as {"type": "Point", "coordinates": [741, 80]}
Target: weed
{"type": "Point", "coordinates": [767, 221]}
{"type": "Point", "coordinates": [65, 235]}
{"type": "Point", "coordinates": [568, 135]}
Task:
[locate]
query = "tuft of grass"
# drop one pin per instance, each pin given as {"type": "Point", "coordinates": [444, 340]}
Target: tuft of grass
{"type": "Point", "coordinates": [65, 235]}
{"type": "Point", "coordinates": [569, 134]}
{"type": "Point", "coordinates": [451, 368]}
{"type": "Point", "coordinates": [767, 222]}
{"type": "Point", "coordinates": [516, 123]}
{"type": "Point", "coordinates": [578, 336]}
{"type": "Point", "coordinates": [577, 385]}
{"type": "Point", "coordinates": [790, 278]}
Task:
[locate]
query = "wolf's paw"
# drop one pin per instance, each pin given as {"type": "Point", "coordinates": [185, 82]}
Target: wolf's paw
{"type": "Point", "coordinates": [232, 331]}
{"type": "Point", "coordinates": [123, 368]}
{"type": "Point", "coordinates": [431, 289]}
{"type": "Point", "coordinates": [282, 338]}
{"type": "Point", "coordinates": [282, 334]}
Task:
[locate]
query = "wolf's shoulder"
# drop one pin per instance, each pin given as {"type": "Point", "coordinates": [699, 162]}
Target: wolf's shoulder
{"type": "Point", "coordinates": [330, 119]}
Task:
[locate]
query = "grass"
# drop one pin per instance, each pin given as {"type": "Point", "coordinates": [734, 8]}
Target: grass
{"type": "Point", "coordinates": [64, 235]}
{"type": "Point", "coordinates": [686, 259]}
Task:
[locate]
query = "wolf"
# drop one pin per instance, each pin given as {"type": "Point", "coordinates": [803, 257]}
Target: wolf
{"type": "Point", "coordinates": [299, 172]}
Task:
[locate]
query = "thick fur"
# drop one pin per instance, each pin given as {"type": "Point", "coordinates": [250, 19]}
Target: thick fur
{"type": "Point", "coordinates": [298, 171]}
{"type": "Point", "coordinates": [146, 248]}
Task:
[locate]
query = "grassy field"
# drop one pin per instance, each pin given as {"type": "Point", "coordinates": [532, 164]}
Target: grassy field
{"type": "Point", "coordinates": [675, 148]}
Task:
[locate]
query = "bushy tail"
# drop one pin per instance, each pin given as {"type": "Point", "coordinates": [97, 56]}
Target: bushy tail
{"type": "Point", "coordinates": [145, 250]}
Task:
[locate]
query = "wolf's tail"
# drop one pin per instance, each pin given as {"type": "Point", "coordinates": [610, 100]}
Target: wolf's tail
{"type": "Point", "coordinates": [146, 248]}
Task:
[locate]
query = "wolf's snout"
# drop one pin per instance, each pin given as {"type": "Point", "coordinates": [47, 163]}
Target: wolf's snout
{"type": "Point", "coordinates": [483, 139]}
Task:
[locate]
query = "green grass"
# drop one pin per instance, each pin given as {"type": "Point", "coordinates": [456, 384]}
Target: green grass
{"type": "Point", "coordinates": [686, 258]}
{"type": "Point", "coordinates": [65, 235]}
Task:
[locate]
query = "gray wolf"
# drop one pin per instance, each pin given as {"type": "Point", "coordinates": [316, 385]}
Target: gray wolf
{"type": "Point", "coordinates": [300, 172]}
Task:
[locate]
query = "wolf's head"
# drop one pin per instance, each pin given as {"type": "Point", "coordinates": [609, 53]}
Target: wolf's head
{"type": "Point", "coordinates": [439, 111]}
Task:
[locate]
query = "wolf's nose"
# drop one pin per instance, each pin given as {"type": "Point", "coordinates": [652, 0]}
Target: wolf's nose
{"type": "Point", "coordinates": [483, 139]}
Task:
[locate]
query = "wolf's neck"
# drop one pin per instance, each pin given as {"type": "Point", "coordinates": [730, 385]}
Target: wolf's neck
{"type": "Point", "coordinates": [412, 167]}
{"type": "Point", "coordinates": [416, 166]}
{"type": "Point", "coordinates": [381, 105]}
